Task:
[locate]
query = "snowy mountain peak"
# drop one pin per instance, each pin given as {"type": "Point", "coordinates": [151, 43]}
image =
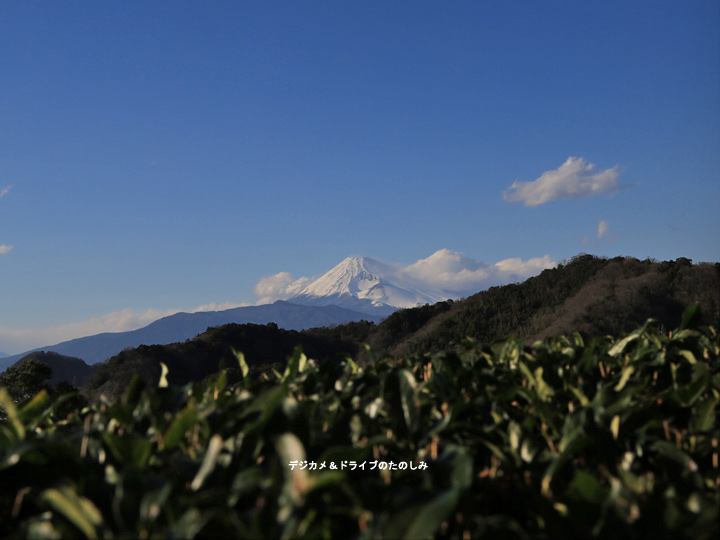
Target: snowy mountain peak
{"type": "Point", "coordinates": [357, 276]}
{"type": "Point", "coordinates": [365, 284]}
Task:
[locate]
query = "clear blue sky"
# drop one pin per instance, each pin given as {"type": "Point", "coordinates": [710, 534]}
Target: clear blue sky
{"type": "Point", "coordinates": [167, 155]}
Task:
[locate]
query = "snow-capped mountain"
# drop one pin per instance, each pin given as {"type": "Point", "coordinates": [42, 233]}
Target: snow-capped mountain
{"type": "Point", "coordinates": [364, 284]}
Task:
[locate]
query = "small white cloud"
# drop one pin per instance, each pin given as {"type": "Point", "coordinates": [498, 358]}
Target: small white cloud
{"type": "Point", "coordinates": [280, 286]}
{"type": "Point", "coordinates": [574, 179]}
{"type": "Point", "coordinates": [4, 191]}
{"type": "Point", "coordinates": [517, 270]}
{"type": "Point", "coordinates": [603, 228]}
{"type": "Point", "coordinates": [214, 306]}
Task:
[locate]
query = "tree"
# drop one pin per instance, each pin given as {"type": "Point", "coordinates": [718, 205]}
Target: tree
{"type": "Point", "coordinates": [26, 379]}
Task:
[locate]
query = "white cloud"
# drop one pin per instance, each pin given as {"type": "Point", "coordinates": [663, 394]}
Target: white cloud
{"type": "Point", "coordinates": [453, 272]}
{"type": "Point", "coordinates": [574, 179]}
{"type": "Point", "coordinates": [280, 286]}
{"type": "Point", "coordinates": [446, 271]}
{"type": "Point", "coordinates": [518, 269]}
{"type": "Point", "coordinates": [4, 191]}
{"type": "Point", "coordinates": [16, 341]}
{"type": "Point", "coordinates": [214, 306]}
{"type": "Point", "coordinates": [603, 228]}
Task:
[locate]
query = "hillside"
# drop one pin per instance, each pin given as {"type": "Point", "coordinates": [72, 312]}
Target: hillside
{"type": "Point", "coordinates": [596, 295]}
{"type": "Point", "coordinates": [182, 326]}
{"type": "Point", "coordinates": [64, 368]}
{"type": "Point", "coordinates": [209, 352]}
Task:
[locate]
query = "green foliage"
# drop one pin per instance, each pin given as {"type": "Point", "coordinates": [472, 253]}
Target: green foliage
{"type": "Point", "coordinates": [595, 295]}
{"type": "Point", "coordinates": [25, 379]}
{"type": "Point", "coordinates": [570, 437]}
{"type": "Point", "coordinates": [70, 370]}
{"type": "Point", "coordinates": [208, 353]}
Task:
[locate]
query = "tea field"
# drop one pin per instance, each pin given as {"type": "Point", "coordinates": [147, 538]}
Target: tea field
{"type": "Point", "coordinates": [570, 437]}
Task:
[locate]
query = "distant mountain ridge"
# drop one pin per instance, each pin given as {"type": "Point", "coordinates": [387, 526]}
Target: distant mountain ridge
{"type": "Point", "coordinates": [359, 288]}
{"type": "Point", "coordinates": [182, 326]}
{"type": "Point", "coordinates": [596, 296]}
{"type": "Point", "coordinates": [368, 285]}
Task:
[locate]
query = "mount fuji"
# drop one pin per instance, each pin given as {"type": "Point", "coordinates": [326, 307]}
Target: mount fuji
{"type": "Point", "coordinates": [357, 288]}
{"type": "Point", "coordinates": [366, 285]}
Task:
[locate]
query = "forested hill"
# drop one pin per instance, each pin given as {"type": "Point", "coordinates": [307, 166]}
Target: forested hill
{"type": "Point", "coordinates": [264, 346]}
{"type": "Point", "coordinates": [73, 371]}
{"type": "Point", "coordinates": [596, 295]}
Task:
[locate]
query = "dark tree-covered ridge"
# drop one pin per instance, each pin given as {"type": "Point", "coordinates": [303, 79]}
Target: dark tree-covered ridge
{"type": "Point", "coordinates": [597, 295]}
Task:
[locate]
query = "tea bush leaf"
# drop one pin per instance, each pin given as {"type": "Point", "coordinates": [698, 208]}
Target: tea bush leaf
{"type": "Point", "coordinates": [16, 425]}
{"type": "Point", "coordinates": [691, 317]}
{"type": "Point", "coordinates": [244, 369]}
{"type": "Point", "coordinates": [421, 519]}
{"type": "Point", "coordinates": [182, 423]}
{"type": "Point", "coordinates": [570, 437]}
{"type": "Point", "coordinates": [209, 462]}
{"type": "Point", "coordinates": [79, 510]}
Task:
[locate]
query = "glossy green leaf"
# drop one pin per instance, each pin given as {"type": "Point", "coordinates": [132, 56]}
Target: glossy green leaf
{"type": "Point", "coordinates": [421, 520]}
{"type": "Point", "coordinates": [588, 487]}
{"type": "Point", "coordinates": [241, 361]}
{"type": "Point", "coordinates": [79, 510]}
{"type": "Point", "coordinates": [11, 411]}
{"type": "Point", "coordinates": [182, 423]}
{"type": "Point", "coordinates": [209, 462]}
{"type": "Point", "coordinates": [408, 399]}
{"type": "Point", "coordinates": [34, 406]}
{"type": "Point", "coordinates": [703, 418]}
{"type": "Point", "coordinates": [620, 346]}
{"type": "Point", "coordinates": [691, 317]}
{"type": "Point", "coordinates": [163, 382]}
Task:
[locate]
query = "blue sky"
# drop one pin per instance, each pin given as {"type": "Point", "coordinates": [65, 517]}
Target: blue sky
{"type": "Point", "coordinates": [157, 156]}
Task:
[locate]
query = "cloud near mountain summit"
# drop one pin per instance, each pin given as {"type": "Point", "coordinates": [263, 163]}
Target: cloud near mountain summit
{"type": "Point", "coordinates": [451, 272]}
{"type": "Point", "coordinates": [280, 286]}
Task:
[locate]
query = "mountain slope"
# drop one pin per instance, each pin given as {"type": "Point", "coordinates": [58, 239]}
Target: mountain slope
{"type": "Point", "coordinates": [596, 295]}
{"type": "Point", "coordinates": [64, 368]}
{"type": "Point", "coordinates": [367, 285]}
{"type": "Point", "coordinates": [208, 352]}
{"type": "Point", "coordinates": [182, 326]}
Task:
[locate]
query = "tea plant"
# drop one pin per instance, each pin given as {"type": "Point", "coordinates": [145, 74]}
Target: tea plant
{"type": "Point", "coordinates": [568, 437]}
